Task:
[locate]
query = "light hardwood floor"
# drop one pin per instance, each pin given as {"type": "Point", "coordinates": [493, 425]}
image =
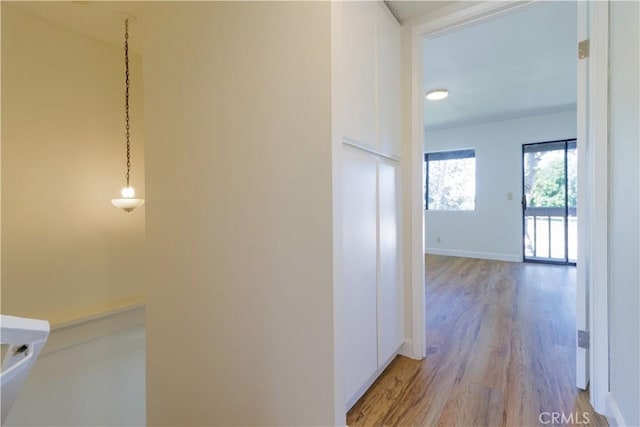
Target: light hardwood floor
{"type": "Point", "coordinates": [500, 352]}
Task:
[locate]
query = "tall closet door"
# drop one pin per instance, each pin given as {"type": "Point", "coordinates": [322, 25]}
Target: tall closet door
{"type": "Point", "coordinates": [357, 63]}
{"type": "Point", "coordinates": [359, 245]}
{"type": "Point", "coordinates": [390, 297]}
{"type": "Point", "coordinates": [388, 63]}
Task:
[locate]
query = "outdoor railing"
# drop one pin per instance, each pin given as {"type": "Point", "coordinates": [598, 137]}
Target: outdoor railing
{"type": "Point", "coordinates": [546, 233]}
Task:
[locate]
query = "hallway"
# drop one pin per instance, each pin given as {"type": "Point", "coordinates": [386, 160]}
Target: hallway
{"type": "Point", "coordinates": [500, 351]}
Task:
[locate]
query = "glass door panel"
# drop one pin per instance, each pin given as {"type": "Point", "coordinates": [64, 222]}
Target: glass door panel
{"type": "Point", "coordinates": [549, 187]}
{"type": "Point", "coordinates": [572, 197]}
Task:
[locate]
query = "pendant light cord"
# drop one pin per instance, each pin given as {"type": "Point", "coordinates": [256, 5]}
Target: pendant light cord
{"type": "Point", "coordinates": [126, 95]}
{"type": "Point", "coordinates": [129, 201]}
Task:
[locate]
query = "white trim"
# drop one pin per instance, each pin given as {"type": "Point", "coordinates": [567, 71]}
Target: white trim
{"type": "Point", "coordinates": [406, 349]}
{"type": "Point", "coordinates": [598, 181]}
{"type": "Point", "coordinates": [453, 19]}
{"type": "Point", "coordinates": [477, 255]}
{"type": "Point", "coordinates": [89, 328]}
{"type": "Point", "coordinates": [97, 316]}
{"type": "Point", "coordinates": [582, 317]}
{"type": "Point", "coordinates": [417, 295]}
{"type": "Point", "coordinates": [614, 416]}
{"type": "Point", "coordinates": [355, 144]}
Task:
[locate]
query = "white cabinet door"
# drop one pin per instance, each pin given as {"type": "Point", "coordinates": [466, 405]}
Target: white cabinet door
{"type": "Point", "coordinates": [359, 268]}
{"type": "Point", "coordinates": [388, 45]}
{"type": "Point", "coordinates": [390, 296]}
{"type": "Point", "coordinates": [357, 71]}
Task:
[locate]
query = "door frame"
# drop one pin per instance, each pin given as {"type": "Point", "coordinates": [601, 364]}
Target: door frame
{"type": "Point", "coordinates": [592, 173]}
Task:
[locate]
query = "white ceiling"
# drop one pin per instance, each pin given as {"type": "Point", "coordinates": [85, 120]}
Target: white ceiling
{"type": "Point", "coordinates": [508, 67]}
{"type": "Point", "coordinates": [103, 20]}
{"type": "Point", "coordinates": [518, 64]}
{"type": "Point", "coordinates": [404, 10]}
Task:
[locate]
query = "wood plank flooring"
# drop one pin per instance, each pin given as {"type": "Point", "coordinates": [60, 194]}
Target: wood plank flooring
{"type": "Point", "coordinates": [500, 352]}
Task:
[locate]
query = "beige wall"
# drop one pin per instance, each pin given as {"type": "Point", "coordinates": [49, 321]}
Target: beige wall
{"type": "Point", "coordinates": [66, 252]}
{"type": "Point", "coordinates": [239, 222]}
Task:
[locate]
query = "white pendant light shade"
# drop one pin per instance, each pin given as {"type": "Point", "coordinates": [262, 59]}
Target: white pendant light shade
{"type": "Point", "coordinates": [127, 205]}
{"type": "Point", "coordinates": [128, 202]}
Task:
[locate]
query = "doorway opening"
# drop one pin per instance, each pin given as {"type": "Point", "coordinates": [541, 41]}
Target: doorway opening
{"type": "Point", "coordinates": [506, 81]}
{"type": "Point", "coordinates": [591, 104]}
{"type": "Point", "coordinates": [549, 194]}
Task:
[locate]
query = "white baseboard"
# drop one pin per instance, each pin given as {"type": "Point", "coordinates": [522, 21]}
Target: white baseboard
{"type": "Point", "coordinates": [614, 416]}
{"type": "Point", "coordinates": [82, 330]}
{"type": "Point", "coordinates": [406, 350]}
{"type": "Point", "coordinates": [470, 254]}
{"type": "Point", "coordinates": [352, 401]}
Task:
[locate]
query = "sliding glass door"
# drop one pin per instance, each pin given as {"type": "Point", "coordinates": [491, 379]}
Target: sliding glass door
{"type": "Point", "coordinates": [549, 202]}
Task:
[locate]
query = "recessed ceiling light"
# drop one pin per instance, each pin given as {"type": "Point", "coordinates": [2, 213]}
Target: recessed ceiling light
{"type": "Point", "coordinates": [437, 94]}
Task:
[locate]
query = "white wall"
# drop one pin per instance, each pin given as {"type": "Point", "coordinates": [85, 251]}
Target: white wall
{"type": "Point", "coordinates": [67, 253]}
{"type": "Point", "coordinates": [239, 214]}
{"type": "Point", "coordinates": [624, 209]}
{"type": "Point", "coordinates": [96, 383]}
{"type": "Point", "coordinates": [494, 229]}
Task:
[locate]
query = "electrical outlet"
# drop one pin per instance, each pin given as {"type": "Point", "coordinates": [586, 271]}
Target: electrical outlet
{"type": "Point", "coordinates": [509, 195]}
{"type": "Point", "coordinates": [438, 240]}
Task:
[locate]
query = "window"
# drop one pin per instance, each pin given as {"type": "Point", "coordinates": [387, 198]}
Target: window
{"type": "Point", "coordinates": [450, 180]}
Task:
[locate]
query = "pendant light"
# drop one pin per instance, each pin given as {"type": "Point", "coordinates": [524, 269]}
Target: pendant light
{"type": "Point", "coordinates": [128, 202]}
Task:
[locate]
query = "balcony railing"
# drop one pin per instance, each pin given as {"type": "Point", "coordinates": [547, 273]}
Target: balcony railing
{"type": "Point", "coordinates": [548, 237]}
